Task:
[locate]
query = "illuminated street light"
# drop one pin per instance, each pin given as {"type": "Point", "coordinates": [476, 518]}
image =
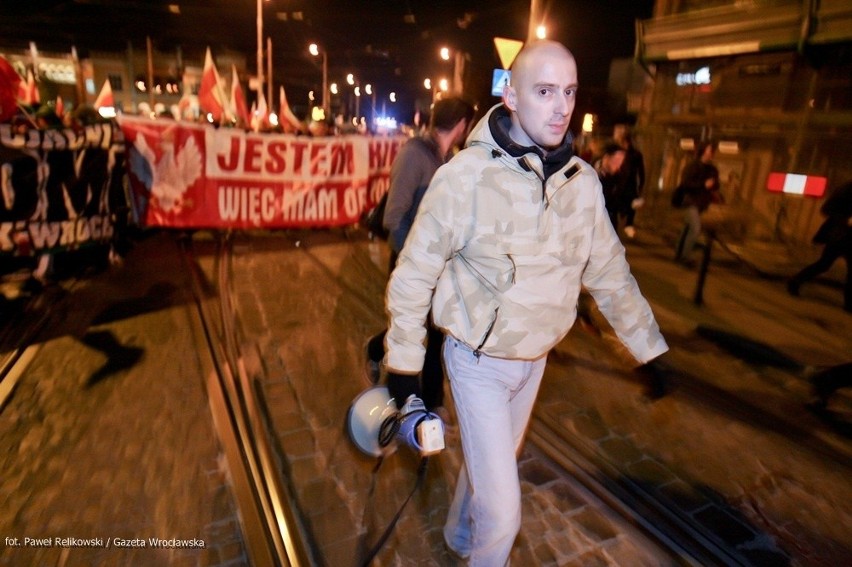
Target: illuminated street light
{"type": "Point", "coordinates": [315, 51]}
{"type": "Point", "coordinates": [392, 97]}
{"type": "Point", "coordinates": [428, 84]}
{"type": "Point", "coordinates": [541, 31]}
{"type": "Point", "coordinates": [445, 53]}
{"type": "Point", "coordinates": [357, 91]}
{"type": "Point", "coordinates": [444, 85]}
{"type": "Point", "coordinates": [350, 78]}
{"type": "Point", "coordinates": [368, 88]}
{"type": "Point", "coordinates": [333, 88]}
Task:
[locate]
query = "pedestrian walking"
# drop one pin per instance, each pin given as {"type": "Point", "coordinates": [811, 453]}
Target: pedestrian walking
{"type": "Point", "coordinates": [411, 172]}
{"type": "Point", "coordinates": [506, 235]}
{"type": "Point", "coordinates": [835, 234]}
{"type": "Point", "coordinates": [631, 181]}
{"type": "Point", "coordinates": [609, 173]}
{"type": "Point", "coordinates": [699, 187]}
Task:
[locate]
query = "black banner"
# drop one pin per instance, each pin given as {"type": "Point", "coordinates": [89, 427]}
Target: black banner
{"type": "Point", "coordinates": [60, 189]}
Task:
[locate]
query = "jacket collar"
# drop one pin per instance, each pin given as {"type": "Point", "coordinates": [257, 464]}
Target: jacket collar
{"type": "Point", "coordinates": [494, 130]}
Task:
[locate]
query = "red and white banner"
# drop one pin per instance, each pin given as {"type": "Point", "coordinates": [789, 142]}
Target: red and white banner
{"type": "Point", "coordinates": [198, 176]}
{"type": "Point", "coordinates": [797, 184]}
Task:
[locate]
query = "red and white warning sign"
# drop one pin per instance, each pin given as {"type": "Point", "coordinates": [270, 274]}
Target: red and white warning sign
{"type": "Point", "coordinates": [797, 184]}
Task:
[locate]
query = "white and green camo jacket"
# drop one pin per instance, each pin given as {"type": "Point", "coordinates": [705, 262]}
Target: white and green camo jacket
{"type": "Point", "coordinates": [499, 256]}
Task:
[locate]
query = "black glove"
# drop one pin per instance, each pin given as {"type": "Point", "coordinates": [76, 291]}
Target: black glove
{"type": "Point", "coordinates": [400, 386]}
{"type": "Point", "coordinates": [656, 375]}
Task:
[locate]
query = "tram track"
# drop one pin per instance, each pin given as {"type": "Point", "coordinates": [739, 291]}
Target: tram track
{"type": "Point", "coordinates": [19, 336]}
{"type": "Point", "coordinates": [681, 537]}
{"type": "Point", "coordinates": [679, 540]}
{"type": "Point", "coordinates": [270, 518]}
{"type": "Point", "coordinates": [685, 542]}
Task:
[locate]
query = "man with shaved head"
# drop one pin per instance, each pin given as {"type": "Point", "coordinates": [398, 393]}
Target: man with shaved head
{"type": "Point", "coordinates": [507, 234]}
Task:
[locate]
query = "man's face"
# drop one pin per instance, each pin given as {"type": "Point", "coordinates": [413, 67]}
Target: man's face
{"type": "Point", "coordinates": [612, 162]}
{"type": "Point", "coordinates": [542, 98]}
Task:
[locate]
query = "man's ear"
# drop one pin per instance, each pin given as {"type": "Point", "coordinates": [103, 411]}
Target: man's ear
{"type": "Point", "coordinates": [510, 98]}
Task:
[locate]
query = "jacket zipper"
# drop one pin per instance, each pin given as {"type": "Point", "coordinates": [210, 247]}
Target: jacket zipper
{"type": "Point", "coordinates": [478, 351]}
{"type": "Point", "coordinates": [543, 181]}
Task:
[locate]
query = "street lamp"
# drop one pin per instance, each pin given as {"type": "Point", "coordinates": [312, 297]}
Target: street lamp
{"type": "Point", "coordinates": [314, 49]}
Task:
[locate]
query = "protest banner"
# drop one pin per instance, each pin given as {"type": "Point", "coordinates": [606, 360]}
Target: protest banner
{"type": "Point", "coordinates": [60, 189]}
{"type": "Point", "coordinates": [186, 175]}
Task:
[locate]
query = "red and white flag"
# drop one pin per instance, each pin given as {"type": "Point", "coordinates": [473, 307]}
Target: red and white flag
{"type": "Point", "coordinates": [284, 111]}
{"type": "Point", "coordinates": [105, 98]}
{"type": "Point", "coordinates": [9, 82]}
{"type": "Point", "coordinates": [210, 97]}
{"type": "Point", "coordinates": [28, 90]}
{"type": "Point", "coordinates": [260, 116]}
{"type": "Point", "coordinates": [239, 109]}
{"type": "Point", "coordinates": [60, 107]}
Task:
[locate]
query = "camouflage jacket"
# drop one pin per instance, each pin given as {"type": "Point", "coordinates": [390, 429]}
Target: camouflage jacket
{"type": "Point", "coordinates": [500, 257]}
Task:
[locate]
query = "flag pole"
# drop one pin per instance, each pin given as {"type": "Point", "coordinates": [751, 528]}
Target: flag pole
{"type": "Point", "coordinates": [150, 72]}
{"type": "Point", "coordinates": [269, 69]}
{"type": "Point", "coordinates": [259, 46]}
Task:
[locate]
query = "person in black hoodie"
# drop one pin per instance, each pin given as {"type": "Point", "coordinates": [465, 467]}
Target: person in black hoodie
{"type": "Point", "coordinates": [836, 234]}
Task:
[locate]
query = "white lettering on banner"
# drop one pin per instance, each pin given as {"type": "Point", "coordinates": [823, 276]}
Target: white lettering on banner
{"type": "Point", "coordinates": [378, 187]}
{"type": "Point", "coordinates": [240, 156]}
{"type": "Point", "coordinates": [94, 136]}
{"type": "Point", "coordinates": [382, 152]}
{"type": "Point", "coordinates": [252, 204]}
{"type": "Point", "coordinates": [354, 200]}
{"type": "Point", "coordinates": [309, 204]}
{"type": "Point", "coordinates": [47, 234]}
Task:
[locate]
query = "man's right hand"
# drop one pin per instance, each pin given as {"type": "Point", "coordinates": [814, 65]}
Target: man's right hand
{"type": "Point", "coordinates": [401, 386]}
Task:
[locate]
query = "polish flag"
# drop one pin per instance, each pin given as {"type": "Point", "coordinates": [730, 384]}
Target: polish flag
{"type": "Point", "coordinates": [105, 98]}
{"type": "Point", "coordinates": [28, 91]}
{"type": "Point", "coordinates": [210, 92]}
{"type": "Point", "coordinates": [260, 117]}
{"type": "Point", "coordinates": [9, 82]}
{"type": "Point", "coordinates": [239, 109]}
{"type": "Point", "coordinates": [284, 110]}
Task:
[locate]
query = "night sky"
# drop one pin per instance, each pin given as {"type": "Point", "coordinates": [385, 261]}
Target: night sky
{"type": "Point", "coordinates": [390, 43]}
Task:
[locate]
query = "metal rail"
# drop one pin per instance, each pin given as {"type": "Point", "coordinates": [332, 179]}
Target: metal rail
{"type": "Point", "coordinates": [21, 335]}
{"type": "Point", "coordinates": [270, 517]}
{"type": "Point", "coordinates": [687, 542]}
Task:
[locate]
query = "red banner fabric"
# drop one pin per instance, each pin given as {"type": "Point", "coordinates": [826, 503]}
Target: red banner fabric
{"type": "Point", "coordinates": [186, 175]}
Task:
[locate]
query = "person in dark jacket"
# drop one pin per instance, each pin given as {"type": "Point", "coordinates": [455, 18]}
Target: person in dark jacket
{"type": "Point", "coordinates": [700, 183]}
{"type": "Point", "coordinates": [608, 168]}
{"type": "Point", "coordinates": [836, 234]}
{"type": "Point", "coordinates": [631, 181]}
{"type": "Point", "coordinates": [411, 172]}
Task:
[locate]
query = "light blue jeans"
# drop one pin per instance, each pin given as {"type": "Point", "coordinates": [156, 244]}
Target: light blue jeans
{"type": "Point", "coordinates": [493, 399]}
{"type": "Point", "coordinates": [689, 235]}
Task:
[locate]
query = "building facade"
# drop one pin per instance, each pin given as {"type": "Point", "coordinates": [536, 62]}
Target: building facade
{"type": "Point", "coordinates": [771, 82]}
{"type": "Point", "coordinates": [135, 78]}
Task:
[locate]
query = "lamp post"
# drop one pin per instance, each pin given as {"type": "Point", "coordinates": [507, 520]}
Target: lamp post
{"type": "Point", "coordinates": [315, 50]}
{"type": "Point", "coordinates": [260, 46]}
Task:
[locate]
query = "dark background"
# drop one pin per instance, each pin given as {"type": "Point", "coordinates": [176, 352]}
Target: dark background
{"type": "Point", "coordinates": [391, 44]}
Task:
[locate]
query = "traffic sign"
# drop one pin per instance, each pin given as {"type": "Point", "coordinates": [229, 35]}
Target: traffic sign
{"type": "Point", "coordinates": [507, 49]}
{"type": "Point", "coordinates": [500, 79]}
{"type": "Point", "coordinates": [797, 184]}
